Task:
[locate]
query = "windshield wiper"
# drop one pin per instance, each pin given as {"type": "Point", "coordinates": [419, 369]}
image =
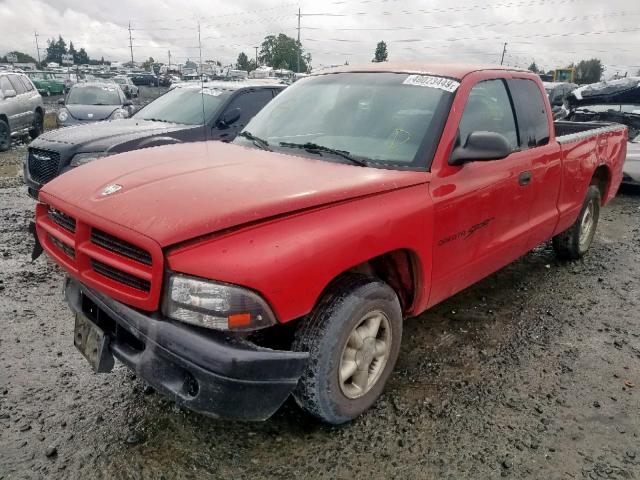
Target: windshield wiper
{"type": "Point", "coordinates": [157, 120]}
{"type": "Point", "coordinates": [257, 141]}
{"type": "Point", "coordinates": [315, 148]}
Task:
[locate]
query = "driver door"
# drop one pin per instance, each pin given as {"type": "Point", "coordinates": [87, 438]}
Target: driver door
{"type": "Point", "coordinates": [481, 207]}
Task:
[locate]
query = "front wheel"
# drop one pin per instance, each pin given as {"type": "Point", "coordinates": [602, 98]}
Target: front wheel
{"type": "Point", "coordinates": [5, 136]}
{"type": "Point", "coordinates": [574, 242]}
{"type": "Point", "coordinates": [353, 338]}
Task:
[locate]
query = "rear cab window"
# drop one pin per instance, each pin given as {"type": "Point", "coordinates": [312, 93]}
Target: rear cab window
{"type": "Point", "coordinates": [533, 123]}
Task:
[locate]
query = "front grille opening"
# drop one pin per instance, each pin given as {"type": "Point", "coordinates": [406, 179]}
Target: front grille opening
{"type": "Point", "coordinates": [62, 219]}
{"type": "Point", "coordinates": [66, 249]}
{"type": "Point", "coordinates": [43, 164]}
{"type": "Point", "coordinates": [120, 276]}
{"type": "Point", "coordinates": [116, 245]}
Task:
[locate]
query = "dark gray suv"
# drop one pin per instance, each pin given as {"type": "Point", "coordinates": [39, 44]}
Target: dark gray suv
{"type": "Point", "coordinates": [190, 112]}
{"type": "Point", "coordinates": [21, 108]}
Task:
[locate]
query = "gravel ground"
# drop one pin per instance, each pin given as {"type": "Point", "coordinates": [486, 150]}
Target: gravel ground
{"type": "Point", "coordinates": [532, 373]}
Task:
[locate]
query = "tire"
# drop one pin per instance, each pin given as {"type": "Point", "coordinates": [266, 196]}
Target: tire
{"type": "Point", "coordinates": [348, 310]}
{"type": "Point", "coordinates": [38, 126]}
{"type": "Point", "coordinates": [573, 243]}
{"type": "Point", "coordinates": [5, 136]}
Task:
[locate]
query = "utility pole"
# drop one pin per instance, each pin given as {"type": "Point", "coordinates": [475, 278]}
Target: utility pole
{"type": "Point", "coordinates": [169, 69]}
{"type": "Point", "coordinates": [504, 50]}
{"type": "Point", "coordinates": [200, 48]}
{"type": "Point", "coordinates": [256, 56]}
{"type": "Point", "coordinates": [299, 15]}
{"type": "Point", "coordinates": [130, 44]}
{"type": "Point", "coordinates": [37, 48]}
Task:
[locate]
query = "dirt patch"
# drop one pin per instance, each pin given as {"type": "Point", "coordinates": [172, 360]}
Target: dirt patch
{"type": "Point", "coordinates": [532, 373]}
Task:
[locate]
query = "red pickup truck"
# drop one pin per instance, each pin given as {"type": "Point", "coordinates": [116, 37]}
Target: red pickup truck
{"type": "Point", "coordinates": [229, 276]}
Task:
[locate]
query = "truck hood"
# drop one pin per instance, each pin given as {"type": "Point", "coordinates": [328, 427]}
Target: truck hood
{"type": "Point", "coordinates": [176, 193]}
{"type": "Point", "coordinates": [102, 135]}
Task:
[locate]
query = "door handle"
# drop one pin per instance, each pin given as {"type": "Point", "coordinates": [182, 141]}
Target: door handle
{"type": "Point", "coordinates": [525, 178]}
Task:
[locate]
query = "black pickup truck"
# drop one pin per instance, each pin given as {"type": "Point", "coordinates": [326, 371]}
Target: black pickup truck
{"type": "Point", "coordinates": [186, 113]}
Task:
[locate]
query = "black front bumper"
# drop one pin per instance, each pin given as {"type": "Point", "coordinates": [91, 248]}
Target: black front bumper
{"type": "Point", "coordinates": [202, 370]}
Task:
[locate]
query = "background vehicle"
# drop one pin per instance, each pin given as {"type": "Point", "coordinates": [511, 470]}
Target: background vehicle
{"type": "Point", "coordinates": [355, 199]}
{"type": "Point", "coordinates": [612, 101]}
{"type": "Point", "coordinates": [46, 83]}
{"type": "Point", "coordinates": [558, 91]}
{"type": "Point", "coordinates": [127, 86]}
{"type": "Point", "coordinates": [93, 102]}
{"type": "Point", "coordinates": [69, 80]}
{"type": "Point", "coordinates": [21, 108]}
{"type": "Point", "coordinates": [175, 117]}
{"type": "Point", "coordinates": [148, 79]}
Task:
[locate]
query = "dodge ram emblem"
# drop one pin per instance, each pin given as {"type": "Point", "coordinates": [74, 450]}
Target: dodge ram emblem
{"type": "Point", "coordinates": [110, 189]}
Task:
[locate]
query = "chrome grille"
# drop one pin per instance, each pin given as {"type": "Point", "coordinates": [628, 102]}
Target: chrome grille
{"type": "Point", "coordinates": [43, 165]}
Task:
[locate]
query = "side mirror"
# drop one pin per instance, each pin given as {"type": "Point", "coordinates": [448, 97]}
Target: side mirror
{"type": "Point", "coordinates": [9, 93]}
{"type": "Point", "coordinates": [229, 117]}
{"type": "Point", "coordinates": [481, 146]}
{"type": "Point", "coordinates": [61, 101]}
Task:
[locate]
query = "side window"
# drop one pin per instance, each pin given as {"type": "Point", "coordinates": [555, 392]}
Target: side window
{"type": "Point", "coordinates": [27, 83]}
{"type": "Point", "coordinates": [18, 86]}
{"type": "Point", "coordinates": [532, 118]}
{"type": "Point", "coordinates": [5, 84]}
{"type": "Point", "coordinates": [250, 103]}
{"type": "Point", "coordinates": [488, 109]}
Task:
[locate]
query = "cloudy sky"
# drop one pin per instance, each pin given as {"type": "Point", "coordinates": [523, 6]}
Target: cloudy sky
{"type": "Point", "coordinates": [551, 32]}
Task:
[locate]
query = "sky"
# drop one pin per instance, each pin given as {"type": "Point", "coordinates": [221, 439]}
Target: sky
{"type": "Point", "coordinates": [553, 33]}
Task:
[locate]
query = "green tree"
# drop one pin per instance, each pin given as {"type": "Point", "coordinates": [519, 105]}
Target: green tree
{"type": "Point", "coordinates": [284, 52]}
{"type": "Point", "coordinates": [55, 50]}
{"type": "Point", "coordinates": [534, 68]}
{"type": "Point", "coordinates": [22, 57]}
{"type": "Point", "coordinates": [147, 64]}
{"type": "Point", "coordinates": [242, 63]}
{"type": "Point", "coordinates": [72, 51]}
{"type": "Point", "coordinates": [589, 71]}
{"type": "Point", "coordinates": [83, 57]}
{"type": "Point", "coordinates": [381, 53]}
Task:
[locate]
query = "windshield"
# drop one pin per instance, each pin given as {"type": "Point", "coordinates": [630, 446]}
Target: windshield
{"type": "Point", "coordinates": [93, 95]}
{"type": "Point", "coordinates": [188, 106]}
{"type": "Point", "coordinates": [385, 119]}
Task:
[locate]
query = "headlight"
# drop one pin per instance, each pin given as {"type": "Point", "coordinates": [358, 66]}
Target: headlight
{"type": "Point", "coordinates": [63, 115]}
{"type": "Point", "coordinates": [117, 114]}
{"type": "Point", "coordinates": [82, 158]}
{"type": "Point", "coordinates": [215, 305]}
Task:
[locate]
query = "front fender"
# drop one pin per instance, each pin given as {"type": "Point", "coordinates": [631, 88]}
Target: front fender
{"type": "Point", "coordinates": [290, 260]}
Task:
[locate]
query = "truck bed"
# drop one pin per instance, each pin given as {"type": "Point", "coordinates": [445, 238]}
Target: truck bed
{"type": "Point", "coordinates": [567, 131]}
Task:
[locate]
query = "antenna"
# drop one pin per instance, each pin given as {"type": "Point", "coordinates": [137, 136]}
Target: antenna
{"type": "Point", "coordinates": [130, 43]}
{"type": "Point", "coordinates": [504, 50]}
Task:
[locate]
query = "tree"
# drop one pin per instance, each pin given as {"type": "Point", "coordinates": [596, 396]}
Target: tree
{"type": "Point", "coordinates": [148, 64]}
{"type": "Point", "coordinates": [55, 50]}
{"type": "Point", "coordinates": [82, 58]}
{"type": "Point", "coordinates": [284, 52]}
{"type": "Point", "coordinates": [22, 57]}
{"type": "Point", "coordinates": [534, 68]}
{"type": "Point", "coordinates": [589, 71]}
{"type": "Point", "coordinates": [381, 53]}
{"type": "Point", "coordinates": [243, 62]}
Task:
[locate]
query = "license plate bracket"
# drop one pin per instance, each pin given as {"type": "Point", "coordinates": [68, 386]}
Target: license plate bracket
{"type": "Point", "coordinates": [92, 342]}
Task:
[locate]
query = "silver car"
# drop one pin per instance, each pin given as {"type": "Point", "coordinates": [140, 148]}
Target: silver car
{"type": "Point", "coordinates": [632, 164]}
{"type": "Point", "coordinates": [21, 108]}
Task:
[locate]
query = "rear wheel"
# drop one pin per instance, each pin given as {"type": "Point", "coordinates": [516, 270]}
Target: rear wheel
{"type": "Point", "coordinates": [38, 125]}
{"type": "Point", "coordinates": [5, 136]}
{"type": "Point", "coordinates": [574, 243]}
{"type": "Point", "coordinates": [353, 337]}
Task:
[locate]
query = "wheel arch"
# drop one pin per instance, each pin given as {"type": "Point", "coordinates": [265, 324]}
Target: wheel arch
{"type": "Point", "coordinates": [601, 178]}
{"type": "Point", "coordinates": [399, 268]}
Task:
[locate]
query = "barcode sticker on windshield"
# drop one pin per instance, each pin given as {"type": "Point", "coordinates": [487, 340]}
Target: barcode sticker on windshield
{"type": "Point", "coordinates": [442, 83]}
